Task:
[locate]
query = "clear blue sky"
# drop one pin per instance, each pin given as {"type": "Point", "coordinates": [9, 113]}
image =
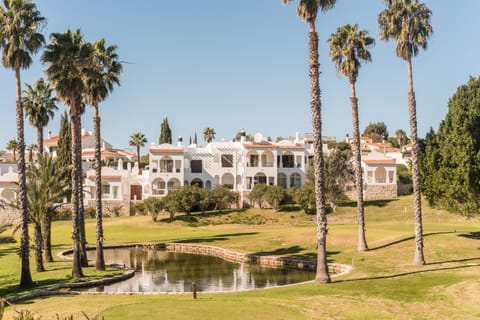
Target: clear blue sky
{"type": "Point", "coordinates": [235, 65]}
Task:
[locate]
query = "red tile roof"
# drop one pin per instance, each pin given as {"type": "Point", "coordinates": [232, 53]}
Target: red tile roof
{"type": "Point", "coordinates": [379, 161]}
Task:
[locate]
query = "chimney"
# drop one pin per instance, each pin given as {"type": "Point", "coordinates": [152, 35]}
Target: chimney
{"type": "Point", "coordinates": [83, 131]}
{"type": "Point", "coordinates": [49, 134]}
{"type": "Point", "coordinates": [297, 137]}
{"type": "Point", "coordinates": [180, 141]}
{"type": "Point", "coordinates": [243, 136]}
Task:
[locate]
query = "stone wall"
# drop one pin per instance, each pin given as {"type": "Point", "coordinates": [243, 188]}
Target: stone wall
{"type": "Point", "coordinates": [269, 261]}
{"type": "Point", "coordinates": [375, 192]}
{"type": "Point", "coordinates": [112, 208]}
{"type": "Point", "coordinates": [9, 216]}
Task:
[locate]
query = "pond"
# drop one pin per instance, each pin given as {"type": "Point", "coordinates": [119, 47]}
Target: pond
{"type": "Point", "coordinates": [172, 272]}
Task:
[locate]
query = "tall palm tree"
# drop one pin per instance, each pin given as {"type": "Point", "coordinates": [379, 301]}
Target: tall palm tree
{"type": "Point", "coordinates": [68, 58]}
{"type": "Point", "coordinates": [20, 22]}
{"type": "Point", "coordinates": [12, 146]}
{"type": "Point", "coordinates": [138, 140]}
{"type": "Point", "coordinates": [39, 107]}
{"type": "Point", "coordinates": [307, 10]}
{"type": "Point", "coordinates": [106, 70]}
{"type": "Point", "coordinates": [408, 23]}
{"type": "Point", "coordinates": [208, 134]}
{"type": "Point", "coordinates": [347, 47]}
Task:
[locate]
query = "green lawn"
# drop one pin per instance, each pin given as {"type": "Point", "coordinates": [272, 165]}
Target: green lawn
{"type": "Point", "coordinates": [383, 284]}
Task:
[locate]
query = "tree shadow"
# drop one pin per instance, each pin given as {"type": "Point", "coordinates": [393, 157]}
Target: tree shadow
{"type": "Point", "coordinates": [196, 216]}
{"type": "Point", "coordinates": [368, 203]}
{"type": "Point", "coordinates": [7, 240]}
{"type": "Point", "coordinates": [4, 252]}
{"type": "Point", "coordinates": [219, 237]}
{"type": "Point", "coordinates": [398, 275]}
{"type": "Point", "coordinates": [408, 239]}
{"type": "Point", "coordinates": [451, 261]}
{"type": "Point", "coordinates": [471, 235]}
{"type": "Point", "coordinates": [293, 252]}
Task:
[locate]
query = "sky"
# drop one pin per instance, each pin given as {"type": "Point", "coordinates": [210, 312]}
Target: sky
{"type": "Point", "coordinates": [234, 65]}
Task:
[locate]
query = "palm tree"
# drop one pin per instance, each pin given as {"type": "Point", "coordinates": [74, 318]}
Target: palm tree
{"type": "Point", "coordinates": [208, 134]}
{"type": "Point", "coordinates": [44, 196]}
{"type": "Point", "coordinates": [39, 107]}
{"type": "Point", "coordinates": [68, 58]}
{"type": "Point", "coordinates": [347, 47]}
{"type": "Point", "coordinates": [106, 73]}
{"type": "Point", "coordinates": [19, 24]}
{"type": "Point", "coordinates": [307, 10]}
{"type": "Point", "coordinates": [137, 140]}
{"type": "Point", "coordinates": [12, 146]}
{"type": "Point", "coordinates": [31, 149]}
{"type": "Point", "coordinates": [408, 23]}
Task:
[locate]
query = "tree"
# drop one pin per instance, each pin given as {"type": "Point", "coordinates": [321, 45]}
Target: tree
{"type": "Point", "coordinates": [12, 146]}
{"type": "Point", "coordinates": [64, 152]}
{"type": "Point", "coordinates": [106, 70]}
{"type": "Point", "coordinates": [44, 196]}
{"type": "Point", "coordinates": [408, 23]}
{"type": "Point", "coordinates": [451, 160]}
{"type": "Point", "coordinates": [339, 174]}
{"type": "Point", "coordinates": [68, 58]}
{"type": "Point", "coordinates": [377, 131]}
{"type": "Point", "coordinates": [20, 22]}
{"type": "Point", "coordinates": [348, 46]}
{"type": "Point", "coordinates": [137, 140]}
{"type": "Point", "coordinates": [257, 195]}
{"type": "Point", "coordinates": [401, 137]}
{"type": "Point", "coordinates": [165, 132]}
{"type": "Point", "coordinates": [195, 139]}
{"type": "Point", "coordinates": [39, 107]}
{"type": "Point", "coordinates": [307, 10]}
{"type": "Point", "coordinates": [208, 134]}
{"type": "Point", "coordinates": [274, 195]}
{"type": "Point", "coordinates": [31, 149]}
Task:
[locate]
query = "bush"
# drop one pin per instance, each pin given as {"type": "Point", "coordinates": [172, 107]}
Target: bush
{"type": "Point", "coordinates": [154, 206]}
{"type": "Point", "coordinates": [89, 212]}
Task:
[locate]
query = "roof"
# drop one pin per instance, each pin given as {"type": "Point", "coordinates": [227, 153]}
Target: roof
{"type": "Point", "coordinates": [379, 161]}
{"type": "Point", "coordinates": [7, 182]}
{"type": "Point", "coordinates": [106, 177]}
{"type": "Point", "coordinates": [166, 150]}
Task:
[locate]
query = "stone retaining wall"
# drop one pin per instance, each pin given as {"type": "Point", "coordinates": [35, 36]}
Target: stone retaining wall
{"type": "Point", "coordinates": [375, 192]}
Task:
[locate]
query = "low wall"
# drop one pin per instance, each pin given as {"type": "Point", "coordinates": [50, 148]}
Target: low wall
{"type": "Point", "coordinates": [375, 192]}
{"type": "Point", "coordinates": [9, 216]}
{"type": "Point", "coordinates": [112, 208]}
{"type": "Point", "coordinates": [268, 261]}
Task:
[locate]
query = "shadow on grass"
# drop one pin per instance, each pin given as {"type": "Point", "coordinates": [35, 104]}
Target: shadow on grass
{"type": "Point", "coordinates": [398, 275]}
{"type": "Point", "coordinates": [471, 235]}
{"type": "Point", "coordinates": [293, 252]}
{"type": "Point", "coordinates": [195, 216]}
{"type": "Point", "coordinates": [7, 239]}
{"type": "Point", "coordinates": [408, 239]}
{"type": "Point", "coordinates": [368, 203]}
{"type": "Point", "coordinates": [451, 261]}
{"type": "Point", "coordinates": [15, 288]}
{"type": "Point", "coordinates": [219, 237]}
{"type": "Point", "coordinates": [4, 252]}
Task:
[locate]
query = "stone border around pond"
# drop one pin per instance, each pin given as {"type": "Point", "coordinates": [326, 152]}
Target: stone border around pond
{"type": "Point", "coordinates": [335, 269]}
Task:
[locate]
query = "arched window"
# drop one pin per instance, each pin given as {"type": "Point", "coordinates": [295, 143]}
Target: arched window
{"type": "Point", "coordinates": [197, 182]}
{"type": "Point", "coordinates": [282, 180]}
{"type": "Point", "coordinates": [295, 180]}
{"type": "Point", "coordinates": [158, 186]}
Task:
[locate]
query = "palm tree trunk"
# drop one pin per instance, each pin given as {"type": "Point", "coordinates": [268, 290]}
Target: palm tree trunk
{"type": "Point", "coordinates": [81, 209]}
{"type": "Point", "coordinates": [76, 175]}
{"type": "Point", "coordinates": [26, 276]}
{"type": "Point", "coordinates": [362, 241]}
{"type": "Point", "coordinates": [419, 258]}
{"type": "Point", "coordinates": [138, 155]}
{"type": "Point", "coordinates": [37, 239]}
{"type": "Point", "coordinates": [46, 225]}
{"type": "Point", "coordinates": [40, 140]}
{"type": "Point", "coordinates": [100, 259]}
{"type": "Point", "coordinates": [319, 170]}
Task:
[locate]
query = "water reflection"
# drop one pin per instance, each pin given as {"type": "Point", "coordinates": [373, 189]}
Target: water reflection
{"type": "Point", "coordinates": [162, 271]}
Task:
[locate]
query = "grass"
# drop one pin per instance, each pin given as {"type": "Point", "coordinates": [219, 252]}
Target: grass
{"type": "Point", "coordinates": [383, 285]}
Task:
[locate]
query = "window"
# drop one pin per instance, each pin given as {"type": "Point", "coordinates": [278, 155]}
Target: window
{"type": "Point", "coordinates": [282, 180]}
{"type": "Point", "coordinates": [166, 165]}
{"type": "Point", "coordinates": [287, 161]}
{"type": "Point", "coordinates": [295, 181]}
{"type": "Point", "coordinates": [178, 166]}
{"type": "Point", "coordinates": [254, 160]}
{"type": "Point", "coordinates": [196, 166]}
{"type": "Point", "coordinates": [105, 189]}
{"type": "Point", "coordinates": [227, 160]}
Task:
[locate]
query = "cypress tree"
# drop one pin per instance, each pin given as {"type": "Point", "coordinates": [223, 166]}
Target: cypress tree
{"type": "Point", "coordinates": [64, 152]}
{"type": "Point", "coordinates": [165, 132]}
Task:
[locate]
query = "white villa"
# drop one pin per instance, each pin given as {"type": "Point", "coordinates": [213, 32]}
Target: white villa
{"type": "Point", "coordinates": [236, 165]}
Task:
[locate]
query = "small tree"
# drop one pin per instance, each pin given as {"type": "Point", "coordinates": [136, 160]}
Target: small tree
{"type": "Point", "coordinates": [222, 197]}
{"type": "Point", "coordinates": [154, 206]}
{"type": "Point", "coordinates": [12, 146]}
{"type": "Point", "coordinates": [274, 196]}
{"type": "Point", "coordinates": [377, 131]}
{"type": "Point", "coordinates": [257, 195]}
{"type": "Point", "coordinates": [305, 197]}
